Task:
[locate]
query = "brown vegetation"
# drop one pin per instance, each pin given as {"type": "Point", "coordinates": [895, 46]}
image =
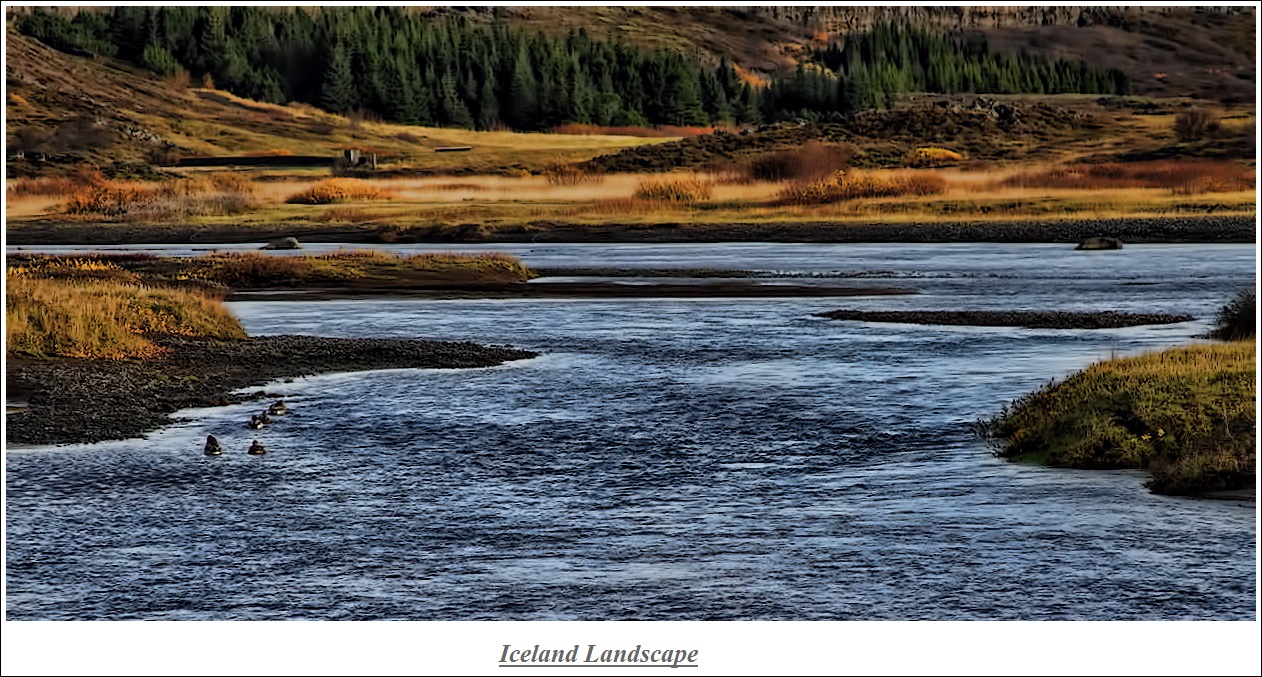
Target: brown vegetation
{"type": "Point", "coordinates": [338, 190]}
{"type": "Point", "coordinates": [842, 186]}
{"type": "Point", "coordinates": [104, 318]}
{"type": "Point", "coordinates": [1186, 177]}
{"type": "Point", "coordinates": [675, 191]}
{"type": "Point", "coordinates": [217, 194]}
{"type": "Point", "coordinates": [1195, 124]}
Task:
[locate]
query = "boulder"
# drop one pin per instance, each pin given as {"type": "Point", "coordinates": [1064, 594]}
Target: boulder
{"type": "Point", "coordinates": [1094, 243]}
{"type": "Point", "coordinates": [283, 243]}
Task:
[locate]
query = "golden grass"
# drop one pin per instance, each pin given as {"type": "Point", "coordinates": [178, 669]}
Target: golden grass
{"type": "Point", "coordinates": [930, 156]}
{"type": "Point", "coordinates": [104, 318]}
{"type": "Point", "coordinates": [332, 191]}
{"type": "Point", "coordinates": [220, 193]}
{"type": "Point", "coordinates": [1186, 413]}
{"type": "Point", "coordinates": [570, 175]}
{"type": "Point", "coordinates": [54, 186]}
{"type": "Point", "coordinates": [675, 190]}
{"type": "Point", "coordinates": [845, 186]}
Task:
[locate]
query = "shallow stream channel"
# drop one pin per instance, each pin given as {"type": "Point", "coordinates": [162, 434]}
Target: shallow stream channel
{"type": "Point", "coordinates": [662, 459]}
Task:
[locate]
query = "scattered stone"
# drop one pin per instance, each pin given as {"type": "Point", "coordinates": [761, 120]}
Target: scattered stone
{"type": "Point", "coordinates": [95, 400]}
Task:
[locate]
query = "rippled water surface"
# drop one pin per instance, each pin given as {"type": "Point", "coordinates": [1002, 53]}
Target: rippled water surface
{"type": "Point", "coordinates": [681, 459]}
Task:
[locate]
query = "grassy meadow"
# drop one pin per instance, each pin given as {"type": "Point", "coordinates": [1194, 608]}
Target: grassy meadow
{"type": "Point", "coordinates": [841, 194]}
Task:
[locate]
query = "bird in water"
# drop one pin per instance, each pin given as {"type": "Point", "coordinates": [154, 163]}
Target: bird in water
{"type": "Point", "coordinates": [264, 418]}
{"type": "Point", "coordinates": [254, 423]}
{"type": "Point", "coordinates": [278, 407]}
{"type": "Point", "coordinates": [256, 449]}
{"type": "Point", "coordinates": [212, 447]}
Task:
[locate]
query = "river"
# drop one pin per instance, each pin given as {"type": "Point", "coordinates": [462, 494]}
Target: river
{"type": "Point", "coordinates": [661, 460]}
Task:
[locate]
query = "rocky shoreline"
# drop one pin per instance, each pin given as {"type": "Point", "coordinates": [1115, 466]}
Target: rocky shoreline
{"type": "Point", "coordinates": [1028, 319]}
{"type": "Point", "coordinates": [1210, 228]}
{"type": "Point", "coordinates": [78, 400]}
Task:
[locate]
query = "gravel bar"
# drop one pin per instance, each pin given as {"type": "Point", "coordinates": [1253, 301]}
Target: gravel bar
{"type": "Point", "coordinates": [80, 400]}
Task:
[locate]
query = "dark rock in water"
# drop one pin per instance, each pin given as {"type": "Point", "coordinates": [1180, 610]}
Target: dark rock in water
{"type": "Point", "coordinates": [1093, 243]}
{"type": "Point", "coordinates": [283, 243]}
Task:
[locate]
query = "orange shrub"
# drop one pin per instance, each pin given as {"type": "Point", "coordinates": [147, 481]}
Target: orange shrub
{"type": "Point", "coordinates": [932, 157]}
{"type": "Point", "coordinates": [842, 186]}
{"type": "Point", "coordinates": [56, 185]}
{"type": "Point", "coordinates": [331, 191]}
{"type": "Point", "coordinates": [109, 199]}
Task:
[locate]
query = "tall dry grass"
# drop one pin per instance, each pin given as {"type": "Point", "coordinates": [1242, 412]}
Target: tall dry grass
{"type": "Point", "coordinates": [843, 186]}
{"type": "Point", "coordinates": [688, 190]}
{"type": "Point", "coordinates": [104, 318]}
{"type": "Point", "coordinates": [217, 194]}
{"type": "Point", "coordinates": [570, 175]}
{"type": "Point", "coordinates": [254, 269]}
{"type": "Point", "coordinates": [55, 186]}
{"type": "Point", "coordinates": [332, 191]}
{"type": "Point", "coordinates": [1181, 177]}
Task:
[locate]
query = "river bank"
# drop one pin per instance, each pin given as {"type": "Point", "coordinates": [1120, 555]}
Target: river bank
{"type": "Point", "coordinates": [1146, 229]}
{"type": "Point", "coordinates": [81, 401]}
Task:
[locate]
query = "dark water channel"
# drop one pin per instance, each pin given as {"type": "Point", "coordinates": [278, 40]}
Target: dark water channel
{"type": "Point", "coordinates": [662, 460]}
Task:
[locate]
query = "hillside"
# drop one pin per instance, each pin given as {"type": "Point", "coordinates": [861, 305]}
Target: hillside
{"type": "Point", "coordinates": [66, 110]}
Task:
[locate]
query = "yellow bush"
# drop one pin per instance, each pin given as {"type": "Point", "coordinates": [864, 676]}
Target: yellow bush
{"type": "Point", "coordinates": [932, 157]}
{"type": "Point", "coordinates": [330, 191]}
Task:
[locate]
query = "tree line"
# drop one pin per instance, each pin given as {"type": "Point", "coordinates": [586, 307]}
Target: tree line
{"type": "Point", "coordinates": [448, 71]}
{"type": "Point", "coordinates": [868, 69]}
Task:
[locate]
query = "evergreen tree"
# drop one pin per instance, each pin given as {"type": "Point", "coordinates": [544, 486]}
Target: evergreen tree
{"type": "Point", "coordinates": [338, 94]}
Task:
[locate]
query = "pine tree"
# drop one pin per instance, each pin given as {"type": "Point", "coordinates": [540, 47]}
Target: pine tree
{"type": "Point", "coordinates": [521, 110]}
{"type": "Point", "coordinates": [338, 93]}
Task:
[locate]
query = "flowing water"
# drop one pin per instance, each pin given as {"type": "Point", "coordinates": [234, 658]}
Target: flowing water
{"type": "Point", "coordinates": [661, 460]}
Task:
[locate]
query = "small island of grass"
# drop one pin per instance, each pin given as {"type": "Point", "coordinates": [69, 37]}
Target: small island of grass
{"type": "Point", "coordinates": [1187, 414]}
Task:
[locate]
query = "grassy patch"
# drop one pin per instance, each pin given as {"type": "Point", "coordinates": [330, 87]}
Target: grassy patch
{"type": "Point", "coordinates": [258, 270]}
{"type": "Point", "coordinates": [101, 318]}
{"type": "Point", "coordinates": [844, 186]}
{"type": "Point", "coordinates": [1187, 414]}
{"type": "Point", "coordinates": [332, 191]}
{"type": "Point", "coordinates": [1187, 177]}
{"type": "Point", "coordinates": [674, 191]}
